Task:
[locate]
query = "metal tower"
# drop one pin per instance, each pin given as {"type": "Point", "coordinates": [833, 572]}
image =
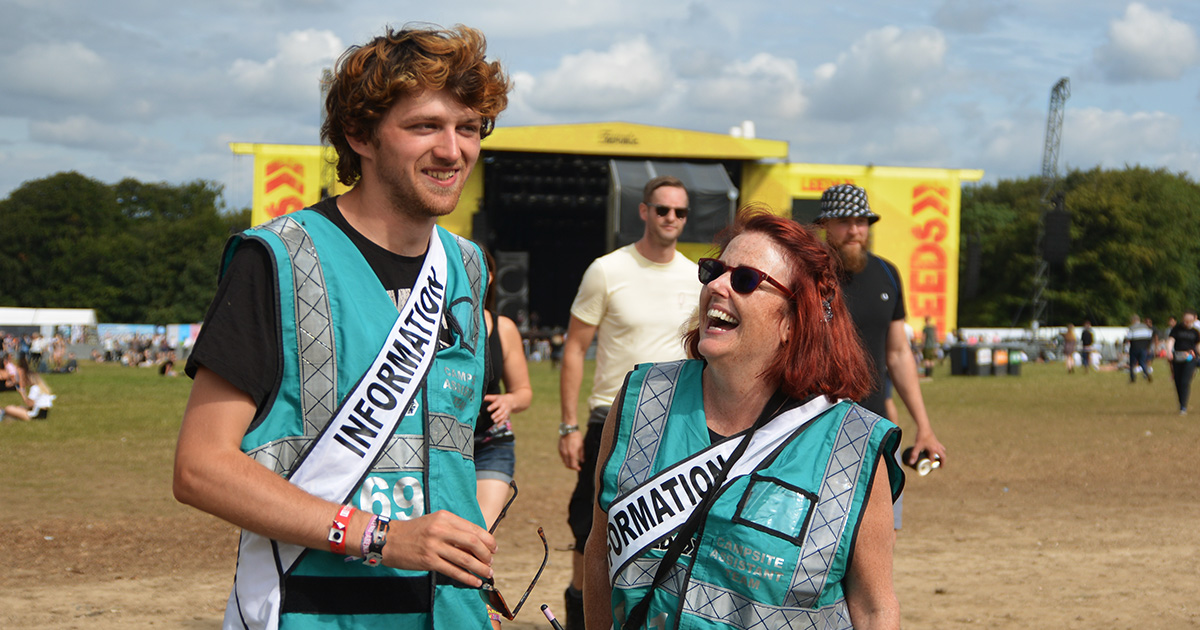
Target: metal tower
{"type": "Point", "coordinates": [1058, 99]}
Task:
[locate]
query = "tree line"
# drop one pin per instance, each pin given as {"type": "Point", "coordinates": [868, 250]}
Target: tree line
{"type": "Point", "coordinates": [149, 252]}
{"type": "Point", "coordinates": [142, 253]}
{"type": "Point", "coordinates": [1133, 248]}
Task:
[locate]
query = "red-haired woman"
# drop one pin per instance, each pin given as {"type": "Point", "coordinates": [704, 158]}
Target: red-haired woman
{"type": "Point", "coordinates": [741, 486]}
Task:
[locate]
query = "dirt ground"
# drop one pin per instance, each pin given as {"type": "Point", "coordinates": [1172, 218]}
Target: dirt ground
{"type": "Point", "coordinates": [1090, 524]}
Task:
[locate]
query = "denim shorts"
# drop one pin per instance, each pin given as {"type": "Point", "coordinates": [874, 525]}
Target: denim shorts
{"type": "Point", "coordinates": [495, 460]}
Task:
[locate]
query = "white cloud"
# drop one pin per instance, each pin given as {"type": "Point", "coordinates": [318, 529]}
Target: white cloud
{"type": "Point", "coordinates": [1092, 136]}
{"type": "Point", "coordinates": [886, 72]}
{"type": "Point", "coordinates": [969, 16]}
{"type": "Point", "coordinates": [629, 74]}
{"type": "Point", "coordinates": [1147, 45]}
{"type": "Point", "coordinates": [293, 73]}
{"type": "Point", "coordinates": [66, 71]}
{"type": "Point", "coordinates": [547, 18]}
{"type": "Point", "coordinates": [1013, 148]}
{"type": "Point", "coordinates": [81, 132]}
{"type": "Point", "coordinates": [765, 85]}
{"type": "Point", "coordinates": [911, 145]}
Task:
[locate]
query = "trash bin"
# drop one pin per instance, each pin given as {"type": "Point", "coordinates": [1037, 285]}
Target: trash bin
{"type": "Point", "coordinates": [983, 361]}
{"type": "Point", "coordinates": [962, 360]}
{"type": "Point", "coordinates": [1000, 361]}
{"type": "Point", "coordinates": [1014, 362]}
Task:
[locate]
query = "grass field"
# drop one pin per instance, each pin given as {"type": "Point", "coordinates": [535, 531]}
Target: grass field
{"type": "Point", "coordinates": [1068, 501]}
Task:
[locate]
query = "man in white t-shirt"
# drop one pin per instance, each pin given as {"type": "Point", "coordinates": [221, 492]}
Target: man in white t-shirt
{"type": "Point", "coordinates": [639, 299]}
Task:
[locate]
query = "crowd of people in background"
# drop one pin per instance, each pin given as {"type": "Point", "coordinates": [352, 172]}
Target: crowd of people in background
{"type": "Point", "coordinates": [52, 354]}
{"type": "Point", "coordinates": [1136, 351]}
{"type": "Point", "coordinates": [24, 358]}
{"type": "Point", "coordinates": [44, 354]}
{"type": "Point", "coordinates": [135, 350]}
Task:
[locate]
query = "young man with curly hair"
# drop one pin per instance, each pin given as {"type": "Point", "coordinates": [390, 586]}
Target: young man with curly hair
{"type": "Point", "coordinates": [339, 371]}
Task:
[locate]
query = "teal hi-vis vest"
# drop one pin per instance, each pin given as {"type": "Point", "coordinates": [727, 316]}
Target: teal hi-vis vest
{"type": "Point", "coordinates": [776, 543]}
{"type": "Point", "coordinates": [334, 317]}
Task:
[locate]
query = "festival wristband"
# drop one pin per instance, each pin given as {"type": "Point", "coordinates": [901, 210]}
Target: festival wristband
{"type": "Point", "coordinates": [337, 532]}
{"type": "Point", "coordinates": [368, 533]}
{"type": "Point", "coordinates": [373, 555]}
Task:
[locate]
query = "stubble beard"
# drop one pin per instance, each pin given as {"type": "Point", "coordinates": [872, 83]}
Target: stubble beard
{"type": "Point", "coordinates": [418, 206]}
{"type": "Point", "coordinates": [416, 201]}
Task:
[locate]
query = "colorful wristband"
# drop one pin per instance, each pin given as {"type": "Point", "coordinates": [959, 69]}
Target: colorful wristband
{"type": "Point", "coordinates": [373, 556]}
{"type": "Point", "coordinates": [368, 534]}
{"type": "Point", "coordinates": [337, 532]}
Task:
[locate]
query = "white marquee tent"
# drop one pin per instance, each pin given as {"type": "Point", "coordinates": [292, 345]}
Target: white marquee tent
{"type": "Point", "coordinates": [13, 316]}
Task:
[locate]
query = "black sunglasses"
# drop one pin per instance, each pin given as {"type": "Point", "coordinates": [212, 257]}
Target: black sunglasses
{"type": "Point", "coordinates": [743, 279]}
{"type": "Point", "coordinates": [495, 599]}
{"type": "Point", "coordinates": [680, 213]}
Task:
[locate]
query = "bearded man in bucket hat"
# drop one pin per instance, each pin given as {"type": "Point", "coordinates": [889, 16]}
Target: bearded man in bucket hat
{"type": "Point", "coordinates": [875, 297]}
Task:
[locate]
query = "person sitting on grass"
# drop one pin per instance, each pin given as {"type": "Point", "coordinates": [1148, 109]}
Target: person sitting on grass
{"type": "Point", "coordinates": [10, 378]}
{"type": "Point", "coordinates": [38, 401]}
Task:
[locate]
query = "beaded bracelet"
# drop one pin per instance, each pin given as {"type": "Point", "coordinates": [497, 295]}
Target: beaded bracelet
{"type": "Point", "coordinates": [337, 532]}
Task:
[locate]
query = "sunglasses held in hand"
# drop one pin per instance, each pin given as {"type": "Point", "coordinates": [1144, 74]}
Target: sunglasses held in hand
{"type": "Point", "coordinates": [495, 599]}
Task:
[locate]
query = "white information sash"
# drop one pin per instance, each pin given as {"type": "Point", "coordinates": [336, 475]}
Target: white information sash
{"type": "Point", "coordinates": [354, 438]}
{"type": "Point", "coordinates": [663, 503]}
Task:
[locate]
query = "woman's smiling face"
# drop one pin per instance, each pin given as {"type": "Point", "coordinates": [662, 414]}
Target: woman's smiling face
{"type": "Point", "coordinates": [746, 330]}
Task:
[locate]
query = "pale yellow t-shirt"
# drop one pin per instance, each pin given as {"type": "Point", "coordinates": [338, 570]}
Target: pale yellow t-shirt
{"type": "Point", "coordinates": [641, 310]}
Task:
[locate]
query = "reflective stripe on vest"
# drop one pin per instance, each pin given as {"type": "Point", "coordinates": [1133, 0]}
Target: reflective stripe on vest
{"type": "Point", "coordinates": [318, 363]}
{"type": "Point", "coordinates": [832, 512]}
{"type": "Point", "coordinates": [653, 407]}
{"type": "Point", "coordinates": [474, 266]}
{"type": "Point", "coordinates": [721, 605]}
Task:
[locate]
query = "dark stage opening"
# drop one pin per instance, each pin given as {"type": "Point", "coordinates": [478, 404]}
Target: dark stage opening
{"type": "Point", "coordinates": [543, 218]}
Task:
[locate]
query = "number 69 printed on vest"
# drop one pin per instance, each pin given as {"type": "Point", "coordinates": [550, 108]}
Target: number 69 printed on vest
{"type": "Point", "coordinates": [405, 500]}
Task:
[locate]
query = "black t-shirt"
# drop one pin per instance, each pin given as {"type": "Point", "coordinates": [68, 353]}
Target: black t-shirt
{"type": "Point", "coordinates": [240, 336]}
{"type": "Point", "coordinates": [492, 375]}
{"type": "Point", "coordinates": [875, 299]}
{"type": "Point", "coordinates": [1185, 337]}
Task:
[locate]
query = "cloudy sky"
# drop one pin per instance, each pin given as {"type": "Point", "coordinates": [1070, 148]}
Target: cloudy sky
{"type": "Point", "coordinates": [156, 90]}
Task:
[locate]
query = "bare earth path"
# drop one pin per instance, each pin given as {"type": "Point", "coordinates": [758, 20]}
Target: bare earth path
{"type": "Point", "coordinates": [1047, 516]}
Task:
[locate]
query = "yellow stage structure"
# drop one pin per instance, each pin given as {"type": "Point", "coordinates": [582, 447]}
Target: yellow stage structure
{"type": "Point", "coordinates": [548, 199]}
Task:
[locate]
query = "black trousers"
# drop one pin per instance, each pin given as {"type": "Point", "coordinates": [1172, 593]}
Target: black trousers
{"type": "Point", "coordinates": [1183, 371]}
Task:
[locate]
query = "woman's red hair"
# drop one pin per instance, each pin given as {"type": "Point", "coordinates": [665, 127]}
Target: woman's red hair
{"type": "Point", "coordinates": [820, 357]}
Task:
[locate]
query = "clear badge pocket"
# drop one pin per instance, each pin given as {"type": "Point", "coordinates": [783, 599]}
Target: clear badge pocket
{"type": "Point", "coordinates": [776, 507]}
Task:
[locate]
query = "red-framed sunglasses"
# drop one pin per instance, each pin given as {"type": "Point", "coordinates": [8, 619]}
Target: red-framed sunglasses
{"type": "Point", "coordinates": [742, 279]}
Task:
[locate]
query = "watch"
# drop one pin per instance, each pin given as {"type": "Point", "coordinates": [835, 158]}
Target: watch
{"type": "Point", "coordinates": [565, 429]}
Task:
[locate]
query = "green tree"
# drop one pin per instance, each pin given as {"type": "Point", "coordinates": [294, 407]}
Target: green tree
{"type": "Point", "coordinates": [1133, 248]}
{"type": "Point", "coordinates": [1001, 222]}
{"type": "Point", "coordinates": [135, 252]}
